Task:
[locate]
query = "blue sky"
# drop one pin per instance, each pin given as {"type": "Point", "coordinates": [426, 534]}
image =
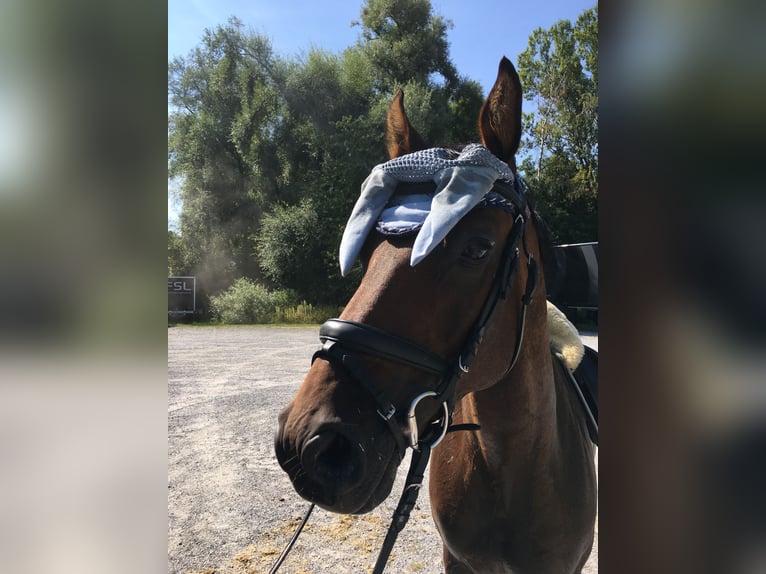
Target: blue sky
{"type": "Point", "coordinates": [483, 30]}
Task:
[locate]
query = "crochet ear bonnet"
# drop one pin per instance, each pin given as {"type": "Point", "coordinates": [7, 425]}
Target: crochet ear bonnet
{"type": "Point", "coordinates": [462, 183]}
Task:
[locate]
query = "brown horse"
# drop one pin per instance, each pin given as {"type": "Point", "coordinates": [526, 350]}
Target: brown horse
{"type": "Point", "coordinates": [518, 494]}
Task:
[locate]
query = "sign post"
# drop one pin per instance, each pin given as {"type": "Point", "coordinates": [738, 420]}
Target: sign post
{"type": "Point", "coordinates": [182, 295]}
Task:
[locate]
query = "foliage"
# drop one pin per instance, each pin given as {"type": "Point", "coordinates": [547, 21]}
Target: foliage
{"type": "Point", "coordinates": [247, 302]}
{"type": "Point", "coordinates": [406, 42]}
{"type": "Point", "coordinates": [568, 211]}
{"type": "Point", "coordinates": [559, 72]}
{"type": "Point", "coordinates": [270, 153]}
{"type": "Point", "coordinates": [266, 149]}
{"type": "Point", "coordinates": [465, 104]}
{"type": "Point", "coordinates": [219, 134]}
{"type": "Point", "coordinates": [306, 313]}
{"type": "Point", "coordinates": [289, 248]}
{"type": "Point", "coordinates": [176, 254]}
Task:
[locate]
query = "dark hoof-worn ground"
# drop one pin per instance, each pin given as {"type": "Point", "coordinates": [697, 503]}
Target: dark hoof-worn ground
{"type": "Point", "coordinates": [231, 509]}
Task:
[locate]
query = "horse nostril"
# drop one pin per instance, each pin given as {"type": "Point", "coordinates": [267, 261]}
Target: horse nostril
{"type": "Point", "coordinates": [331, 459]}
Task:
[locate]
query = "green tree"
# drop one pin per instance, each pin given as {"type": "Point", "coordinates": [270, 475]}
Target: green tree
{"type": "Point", "coordinates": [270, 153]}
{"type": "Point", "coordinates": [290, 248]}
{"type": "Point", "coordinates": [335, 108]}
{"type": "Point", "coordinates": [330, 136]}
{"type": "Point", "coordinates": [406, 42]}
{"type": "Point", "coordinates": [465, 104]}
{"type": "Point", "coordinates": [177, 258]}
{"type": "Point", "coordinates": [226, 108]}
{"type": "Point", "coordinates": [407, 47]}
{"type": "Point", "coordinates": [559, 72]}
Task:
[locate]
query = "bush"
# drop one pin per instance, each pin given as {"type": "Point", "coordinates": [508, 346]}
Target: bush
{"type": "Point", "coordinates": [247, 302]}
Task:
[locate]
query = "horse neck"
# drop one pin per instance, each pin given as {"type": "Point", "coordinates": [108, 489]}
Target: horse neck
{"type": "Point", "coordinates": [517, 413]}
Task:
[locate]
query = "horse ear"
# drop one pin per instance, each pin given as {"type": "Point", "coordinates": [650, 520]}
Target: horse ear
{"type": "Point", "coordinates": [401, 137]}
{"type": "Point", "coordinates": [500, 116]}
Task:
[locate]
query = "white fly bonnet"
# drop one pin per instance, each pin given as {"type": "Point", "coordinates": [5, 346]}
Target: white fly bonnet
{"type": "Point", "coordinates": [461, 184]}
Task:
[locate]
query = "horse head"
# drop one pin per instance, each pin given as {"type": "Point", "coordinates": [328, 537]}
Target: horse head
{"type": "Point", "coordinates": [404, 331]}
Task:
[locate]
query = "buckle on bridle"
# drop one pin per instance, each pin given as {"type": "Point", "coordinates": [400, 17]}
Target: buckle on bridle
{"type": "Point", "coordinates": [413, 423]}
{"type": "Point", "coordinates": [390, 412]}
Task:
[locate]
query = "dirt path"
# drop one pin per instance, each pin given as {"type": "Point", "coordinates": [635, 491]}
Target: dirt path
{"type": "Point", "coordinates": [230, 506]}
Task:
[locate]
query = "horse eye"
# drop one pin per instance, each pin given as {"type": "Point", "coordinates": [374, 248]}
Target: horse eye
{"type": "Point", "coordinates": [476, 250]}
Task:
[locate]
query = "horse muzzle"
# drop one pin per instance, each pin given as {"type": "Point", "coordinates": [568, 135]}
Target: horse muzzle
{"type": "Point", "coordinates": [333, 465]}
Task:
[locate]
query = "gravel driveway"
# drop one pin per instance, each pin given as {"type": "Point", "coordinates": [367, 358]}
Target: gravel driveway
{"type": "Point", "coordinates": [230, 507]}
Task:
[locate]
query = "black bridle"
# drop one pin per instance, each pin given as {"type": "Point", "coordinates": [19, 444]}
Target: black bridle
{"type": "Point", "coordinates": [344, 341]}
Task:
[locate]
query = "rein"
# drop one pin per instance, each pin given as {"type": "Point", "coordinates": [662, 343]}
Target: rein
{"type": "Point", "coordinates": [342, 340]}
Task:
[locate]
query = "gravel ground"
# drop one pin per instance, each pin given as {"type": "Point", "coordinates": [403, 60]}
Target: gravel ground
{"type": "Point", "coordinates": [231, 508]}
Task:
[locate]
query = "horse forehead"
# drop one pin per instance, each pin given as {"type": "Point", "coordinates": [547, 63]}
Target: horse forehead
{"type": "Point", "coordinates": [488, 221]}
{"type": "Point", "coordinates": [390, 274]}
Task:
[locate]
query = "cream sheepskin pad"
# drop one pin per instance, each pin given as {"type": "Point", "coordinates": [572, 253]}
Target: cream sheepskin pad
{"type": "Point", "coordinates": [565, 340]}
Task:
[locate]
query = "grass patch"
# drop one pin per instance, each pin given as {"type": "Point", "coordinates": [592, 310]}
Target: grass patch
{"type": "Point", "coordinates": [305, 313]}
